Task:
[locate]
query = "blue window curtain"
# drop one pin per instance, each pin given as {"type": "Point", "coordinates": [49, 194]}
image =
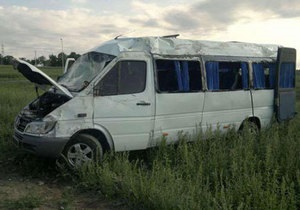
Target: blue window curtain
{"type": "Point", "coordinates": [258, 75]}
{"type": "Point", "coordinates": [272, 74]}
{"type": "Point", "coordinates": [185, 76]}
{"type": "Point", "coordinates": [287, 75]}
{"type": "Point", "coordinates": [182, 72]}
{"type": "Point", "coordinates": [212, 75]}
{"type": "Point", "coordinates": [178, 74]}
{"type": "Point", "coordinates": [245, 75]}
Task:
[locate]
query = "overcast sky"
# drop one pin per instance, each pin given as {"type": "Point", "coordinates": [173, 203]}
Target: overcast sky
{"type": "Point", "coordinates": [41, 25]}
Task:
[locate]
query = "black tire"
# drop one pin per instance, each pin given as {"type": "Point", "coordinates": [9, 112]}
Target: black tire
{"type": "Point", "coordinates": [250, 127]}
{"type": "Point", "coordinates": [82, 149]}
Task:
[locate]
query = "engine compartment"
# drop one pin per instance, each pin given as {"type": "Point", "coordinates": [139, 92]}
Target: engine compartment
{"type": "Point", "coordinates": [44, 104]}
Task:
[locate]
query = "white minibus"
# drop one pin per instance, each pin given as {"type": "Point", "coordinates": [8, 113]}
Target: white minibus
{"type": "Point", "coordinates": [129, 92]}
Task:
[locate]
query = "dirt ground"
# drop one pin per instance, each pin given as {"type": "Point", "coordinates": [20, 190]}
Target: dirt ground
{"type": "Point", "coordinates": [17, 192]}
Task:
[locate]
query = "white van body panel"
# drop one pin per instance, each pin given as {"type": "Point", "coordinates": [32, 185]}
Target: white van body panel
{"type": "Point", "coordinates": [263, 105]}
{"type": "Point", "coordinates": [226, 109]}
{"type": "Point", "coordinates": [73, 116]}
{"type": "Point", "coordinates": [177, 112]}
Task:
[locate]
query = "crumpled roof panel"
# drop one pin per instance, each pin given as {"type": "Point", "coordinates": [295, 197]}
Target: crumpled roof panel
{"type": "Point", "coordinates": [174, 46]}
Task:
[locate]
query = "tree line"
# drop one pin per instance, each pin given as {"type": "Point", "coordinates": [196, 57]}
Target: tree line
{"type": "Point", "coordinates": [52, 60]}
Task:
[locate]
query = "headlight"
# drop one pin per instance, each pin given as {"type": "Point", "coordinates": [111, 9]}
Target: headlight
{"type": "Point", "coordinates": [40, 127]}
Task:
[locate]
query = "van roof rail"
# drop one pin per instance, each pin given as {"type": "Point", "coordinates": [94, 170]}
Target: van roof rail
{"type": "Point", "coordinates": [171, 36]}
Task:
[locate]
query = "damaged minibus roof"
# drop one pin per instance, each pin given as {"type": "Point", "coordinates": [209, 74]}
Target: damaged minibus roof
{"type": "Point", "coordinates": [174, 46]}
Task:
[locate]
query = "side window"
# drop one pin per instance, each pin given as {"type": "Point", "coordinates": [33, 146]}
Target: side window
{"type": "Point", "coordinates": [126, 77]}
{"type": "Point", "coordinates": [264, 75]}
{"type": "Point", "coordinates": [227, 75]}
{"type": "Point", "coordinates": [178, 76]}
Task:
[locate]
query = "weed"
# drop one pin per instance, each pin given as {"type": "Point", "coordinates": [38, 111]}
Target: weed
{"type": "Point", "coordinates": [25, 202]}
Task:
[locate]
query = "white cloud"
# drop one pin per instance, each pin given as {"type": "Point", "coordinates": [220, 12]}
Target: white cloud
{"type": "Point", "coordinates": [79, 1]}
{"type": "Point", "coordinates": [24, 30]}
{"type": "Point", "coordinates": [30, 29]}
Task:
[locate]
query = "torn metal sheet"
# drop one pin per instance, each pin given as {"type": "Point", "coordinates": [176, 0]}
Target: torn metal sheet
{"type": "Point", "coordinates": [174, 46]}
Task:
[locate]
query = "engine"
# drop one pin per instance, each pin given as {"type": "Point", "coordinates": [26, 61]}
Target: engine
{"type": "Point", "coordinates": [45, 104]}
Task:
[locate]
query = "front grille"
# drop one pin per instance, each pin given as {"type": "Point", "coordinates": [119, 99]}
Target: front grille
{"type": "Point", "coordinates": [22, 123]}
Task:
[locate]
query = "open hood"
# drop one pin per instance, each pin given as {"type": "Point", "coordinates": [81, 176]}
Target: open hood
{"type": "Point", "coordinates": [36, 76]}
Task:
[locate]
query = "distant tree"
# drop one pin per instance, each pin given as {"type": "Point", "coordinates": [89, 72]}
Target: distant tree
{"type": "Point", "coordinates": [25, 59]}
{"type": "Point", "coordinates": [32, 61]}
{"type": "Point", "coordinates": [41, 60]}
{"type": "Point", "coordinates": [73, 55]}
{"type": "Point", "coordinates": [7, 60]}
{"type": "Point", "coordinates": [53, 60]}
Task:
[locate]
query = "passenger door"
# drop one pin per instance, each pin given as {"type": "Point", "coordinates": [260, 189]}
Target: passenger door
{"type": "Point", "coordinates": [124, 103]}
{"type": "Point", "coordinates": [285, 95]}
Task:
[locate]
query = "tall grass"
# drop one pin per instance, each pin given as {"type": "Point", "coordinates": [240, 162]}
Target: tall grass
{"type": "Point", "coordinates": [228, 171]}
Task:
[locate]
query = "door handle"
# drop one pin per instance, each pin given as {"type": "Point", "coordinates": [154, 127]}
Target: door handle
{"type": "Point", "coordinates": [143, 103]}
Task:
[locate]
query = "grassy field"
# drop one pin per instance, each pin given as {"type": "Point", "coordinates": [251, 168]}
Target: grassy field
{"type": "Point", "coordinates": [227, 171]}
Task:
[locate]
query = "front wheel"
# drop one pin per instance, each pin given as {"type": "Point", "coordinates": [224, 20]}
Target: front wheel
{"type": "Point", "coordinates": [82, 149]}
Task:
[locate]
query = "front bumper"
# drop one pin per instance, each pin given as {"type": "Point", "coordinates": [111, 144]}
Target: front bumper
{"type": "Point", "coordinates": [40, 145]}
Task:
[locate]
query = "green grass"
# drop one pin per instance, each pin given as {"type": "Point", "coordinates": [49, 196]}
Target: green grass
{"type": "Point", "coordinates": [25, 202]}
{"type": "Point", "coordinates": [226, 171]}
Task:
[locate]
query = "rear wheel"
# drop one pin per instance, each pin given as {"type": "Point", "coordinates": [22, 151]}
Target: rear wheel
{"type": "Point", "coordinates": [82, 149]}
{"type": "Point", "coordinates": [250, 127]}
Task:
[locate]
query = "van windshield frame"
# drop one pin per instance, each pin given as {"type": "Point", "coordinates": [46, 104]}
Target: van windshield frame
{"type": "Point", "coordinates": [84, 70]}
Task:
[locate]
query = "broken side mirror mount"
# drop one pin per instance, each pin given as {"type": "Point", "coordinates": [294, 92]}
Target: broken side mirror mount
{"type": "Point", "coordinates": [69, 63]}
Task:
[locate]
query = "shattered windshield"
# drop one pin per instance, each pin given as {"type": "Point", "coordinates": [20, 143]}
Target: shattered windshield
{"type": "Point", "coordinates": [83, 71]}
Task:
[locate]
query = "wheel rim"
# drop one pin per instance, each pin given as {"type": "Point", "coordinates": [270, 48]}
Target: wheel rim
{"type": "Point", "coordinates": [253, 130]}
{"type": "Point", "coordinates": [80, 153]}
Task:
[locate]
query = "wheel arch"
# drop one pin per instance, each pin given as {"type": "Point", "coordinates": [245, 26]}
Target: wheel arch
{"type": "Point", "coordinates": [101, 134]}
{"type": "Point", "coordinates": [253, 119]}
